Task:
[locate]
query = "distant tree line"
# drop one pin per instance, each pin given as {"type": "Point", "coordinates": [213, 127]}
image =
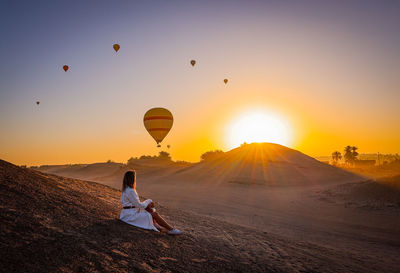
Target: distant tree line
{"type": "Point", "coordinates": [211, 155]}
{"type": "Point", "coordinates": [351, 156]}
{"type": "Point", "coordinates": [207, 156]}
{"type": "Point", "coordinates": [161, 156]}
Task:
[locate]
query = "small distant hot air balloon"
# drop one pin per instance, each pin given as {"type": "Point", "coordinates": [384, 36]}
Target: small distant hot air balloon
{"type": "Point", "coordinates": [168, 146]}
{"type": "Point", "coordinates": [158, 122]}
{"type": "Point", "coordinates": [116, 47]}
{"type": "Point", "coordinates": [225, 81]}
{"type": "Point", "coordinates": [38, 102]}
{"type": "Point", "coordinates": [65, 67]}
{"type": "Point", "coordinates": [192, 62]}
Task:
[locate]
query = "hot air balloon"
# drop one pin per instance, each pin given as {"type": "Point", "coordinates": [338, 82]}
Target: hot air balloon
{"type": "Point", "coordinates": [65, 67]}
{"type": "Point", "coordinates": [38, 102]}
{"type": "Point", "coordinates": [168, 146]}
{"type": "Point", "coordinates": [225, 81]}
{"type": "Point", "coordinates": [116, 47]}
{"type": "Point", "coordinates": [158, 122]}
{"type": "Point", "coordinates": [192, 62]}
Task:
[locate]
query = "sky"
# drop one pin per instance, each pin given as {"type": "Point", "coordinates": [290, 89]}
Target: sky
{"type": "Point", "coordinates": [328, 69]}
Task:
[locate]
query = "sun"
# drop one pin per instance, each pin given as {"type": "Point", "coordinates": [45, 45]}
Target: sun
{"type": "Point", "coordinates": [258, 126]}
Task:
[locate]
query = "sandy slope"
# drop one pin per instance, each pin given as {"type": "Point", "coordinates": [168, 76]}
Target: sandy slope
{"type": "Point", "coordinates": [111, 173]}
{"type": "Point", "coordinates": [264, 164]}
{"type": "Point", "coordinates": [50, 223]}
{"type": "Point", "coordinates": [294, 212]}
{"type": "Point", "coordinates": [371, 194]}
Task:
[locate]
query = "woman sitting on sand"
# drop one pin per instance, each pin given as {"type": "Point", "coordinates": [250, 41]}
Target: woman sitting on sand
{"type": "Point", "coordinates": [140, 214]}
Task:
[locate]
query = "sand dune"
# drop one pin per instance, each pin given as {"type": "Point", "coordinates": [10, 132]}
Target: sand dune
{"type": "Point", "coordinates": [382, 194]}
{"type": "Point", "coordinates": [54, 224]}
{"type": "Point", "coordinates": [265, 164]}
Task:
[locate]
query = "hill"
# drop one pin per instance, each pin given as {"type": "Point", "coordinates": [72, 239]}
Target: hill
{"type": "Point", "coordinates": [54, 224]}
{"type": "Point", "coordinates": [265, 164]}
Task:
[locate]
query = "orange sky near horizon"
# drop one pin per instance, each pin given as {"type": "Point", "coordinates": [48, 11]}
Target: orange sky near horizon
{"type": "Point", "coordinates": [314, 135]}
{"type": "Point", "coordinates": [333, 80]}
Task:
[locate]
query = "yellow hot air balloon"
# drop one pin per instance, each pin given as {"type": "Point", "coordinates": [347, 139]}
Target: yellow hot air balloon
{"type": "Point", "coordinates": [116, 47]}
{"type": "Point", "coordinates": [158, 122]}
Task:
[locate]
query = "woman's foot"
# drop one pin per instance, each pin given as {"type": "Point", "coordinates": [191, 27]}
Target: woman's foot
{"type": "Point", "coordinates": [174, 231]}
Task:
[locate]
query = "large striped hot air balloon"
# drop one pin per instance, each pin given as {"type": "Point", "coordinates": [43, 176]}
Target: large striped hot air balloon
{"type": "Point", "coordinates": [158, 122]}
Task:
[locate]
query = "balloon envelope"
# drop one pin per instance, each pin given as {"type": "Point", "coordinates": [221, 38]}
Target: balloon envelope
{"type": "Point", "coordinates": [158, 122]}
{"type": "Point", "coordinates": [192, 62]}
{"type": "Point", "coordinates": [65, 67]}
{"type": "Point", "coordinates": [225, 81]}
{"type": "Point", "coordinates": [116, 47]}
{"type": "Point", "coordinates": [38, 102]}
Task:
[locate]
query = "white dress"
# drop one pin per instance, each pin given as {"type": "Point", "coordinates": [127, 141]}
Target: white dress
{"type": "Point", "coordinates": [138, 216]}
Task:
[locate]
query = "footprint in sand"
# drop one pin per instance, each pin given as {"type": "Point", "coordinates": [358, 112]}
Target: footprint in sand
{"type": "Point", "coordinates": [168, 259]}
{"type": "Point", "coordinates": [148, 268]}
{"type": "Point", "coordinates": [126, 245]}
{"type": "Point", "coordinates": [116, 251]}
{"type": "Point", "coordinates": [199, 260]}
{"type": "Point", "coordinates": [221, 259]}
{"type": "Point", "coordinates": [164, 244]}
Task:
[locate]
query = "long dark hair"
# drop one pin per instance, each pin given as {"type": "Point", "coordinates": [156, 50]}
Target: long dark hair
{"type": "Point", "coordinates": [129, 180]}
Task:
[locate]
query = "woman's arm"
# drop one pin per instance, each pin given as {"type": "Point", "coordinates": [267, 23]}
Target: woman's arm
{"type": "Point", "coordinates": [134, 199]}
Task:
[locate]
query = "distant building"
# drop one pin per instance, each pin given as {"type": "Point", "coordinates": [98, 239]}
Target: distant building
{"type": "Point", "coordinates": [364, 163]}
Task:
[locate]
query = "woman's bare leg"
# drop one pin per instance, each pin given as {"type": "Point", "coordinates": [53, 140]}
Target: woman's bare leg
{"type": "Point", "coordinates": [161, 220]}
{"type": "Point", "coordinates": [157, 225]}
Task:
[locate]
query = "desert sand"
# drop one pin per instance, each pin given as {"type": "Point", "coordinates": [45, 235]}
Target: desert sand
{"type": "Point", "coordinates": [55, 224]}
{"type": "Point", "coordinates": [270, 190]}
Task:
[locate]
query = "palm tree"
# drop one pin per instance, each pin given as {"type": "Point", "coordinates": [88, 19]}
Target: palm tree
{"type": "Point", "coordinates": [354, 152]}
{"type": "Point", "coordinates": [336, 156]}
{"type": "Point", "coordinates": [348, 155]}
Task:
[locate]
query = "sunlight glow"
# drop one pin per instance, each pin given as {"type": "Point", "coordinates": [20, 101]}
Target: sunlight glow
{"type": "Point", "coordinates": [258, 126]}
